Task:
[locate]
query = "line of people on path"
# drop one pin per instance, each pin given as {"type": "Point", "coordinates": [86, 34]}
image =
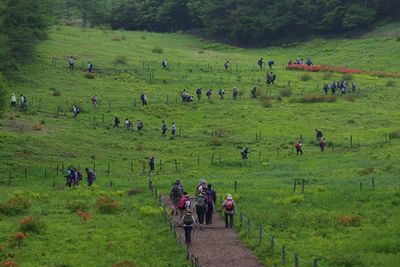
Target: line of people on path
{"type": "Point", "coordinates": [341, 85]}
{"type": "Point", "coordinates": [187, 97]}
{"type": "Point", "coordinates": [23, 102]}
{"type": "Point", "coordinates": [319, 138]}
{"type": "Point", "coordinates": [204, 207]}
{"type": "Point", "coordinates": [74, 176]}
{"type": "Point", "coordinates": [300, 61]}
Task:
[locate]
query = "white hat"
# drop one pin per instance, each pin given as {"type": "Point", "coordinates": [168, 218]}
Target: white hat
{"type": "Point", "coordinates": [229, 197]}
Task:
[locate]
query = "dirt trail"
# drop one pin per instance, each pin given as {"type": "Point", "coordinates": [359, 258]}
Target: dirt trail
{"type": "Point", "coordinates": [217, 246]}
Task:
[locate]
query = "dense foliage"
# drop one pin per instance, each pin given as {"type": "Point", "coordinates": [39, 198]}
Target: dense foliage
{"type": "Point", "coordinates": [248, 23]}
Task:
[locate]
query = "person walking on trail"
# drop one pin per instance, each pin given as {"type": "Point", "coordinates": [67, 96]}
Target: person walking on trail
{"type": "Point", "coordinates": [199, 91]}
{"type": "Point", "coordinates": [143, 98]}
{"type": "Point", "coordinates": [326, 88]}
{"type": "Point", "coordinates": [353, 87]}
{"type": "Point", "coordinates": [235, 93]}
{"type": "Point", "coordinates": [229, 211]}
{"type": "Point", "coordinates": [117, 121]}
{"type": "Point", "coordinates": [184, 204]}
{"type": "Point", "coordinates": [70, 176]}
{"type": "Point", "coordinates": [13, 100]}
{"type": "Point", "coordinates": [318, 134]}
{"type": "Point", "coordinates": [260, 63]}
{"type": "Point", "coordinates": [139, 126]}
{"type": "Point", "coordinates": [90, 67]}
{"type": "Point", "coordinates": [245, 153]}
{"type": "Point", "coordinates": [95, 101]}
{"type": "Point", "coordinates": [221, 93]}
{"type": "Point", "coordinates": [91, 176]}
{"type": "Point", "coordinates": [201, 186]}
{"type": "Point", "coordinates": [270, 63]}
{"type": "Point", "coordinates": [333, 88]}
{"type": "Point", "coordinates": [23, 102]}
{"type": "Point", "coordinates": [164, 129]}
{"type": "Point", "coordinates": [298, 147]}
{"type": "Point", "coordinates": [211, 198]}
{"type": "Point", "coordinates": [75, 111]}
{"type": "Point", "coordinates": [71, 62]}
{"type": "Point", "coordinates": [208, 94]}
{"type": "Point", "coordinates": [227, 65]}
{"type": "Point", "coordinates": [254, 92]}
{"type": "Point", "coordinates": [175, 195]}
{"type": "Point", "coordinates": [200, 206]}
{"type": "Point", "coordinates": [173, 129]}
{"type": "Point", "coordinates": [188, 222]}
{"type": "Point", "coordinates": [152, 164]}
{"type": "Point", "coordinates": [164, 64]}
{"type": "Point", "coordinates": [322, 144]}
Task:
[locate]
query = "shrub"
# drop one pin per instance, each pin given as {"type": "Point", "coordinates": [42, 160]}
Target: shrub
{"type": "Point", "coordinates": [305, 77]}
{"type": "Point", "coordinates": [327, 75]}
{"type": "Point", "coordinates": [157, 50]}
{"type": "Point", "coordinates": [150, 211]}
{"type": "Point", "coordinates": [107, 205]}
{"type": "Point", "coordinates": [15, 205]}
{"type": "Point", "coordinates": [116, 38]}
{"type": "Point", "coordinates": [265, 101]}
{"type": "Point", "coordinates": [285, 92]}
{"type": "Point", "coordinates": [89, 75]}
{"type": "Point", "coordinates": [143, 37]}
{"type": "Point", "coordinates": [134, 191]}
{"type": "Point", "coordinates": [37, 127]}
{"type": "Point", "coordinates": [347, 76]}
{"type": "Point", "coordinates": [76, 205]}
{"type": "Point", "coordinates": [394, 134]}
{"type": "Point", "coordinates": [220, 132]}
{"type": "Point", "coordinates": [350, 98]}
{"type": "Point", "coordinates": [391, 83]}
{"type": "Point", "coordinates": [350, 220]}
{"type": "Point", "coordinates": [367, 171]}
{"type": "Point", "coordinates": [124, 263]}
{"type": "Point", "coordinates": [83, 215]}
{"type": "Point", "coordinates": [32, 224]}
{"type": "Point", "coordinates": [56, 92]}
{"type": "Point", "coordinates": [215, 141]}
{"type": "Point", "coordinates": [316, 98]}
{"type": "Point", "coordinates": [120, 59]}
{"type": "Point", "coordinates": [43, 122]}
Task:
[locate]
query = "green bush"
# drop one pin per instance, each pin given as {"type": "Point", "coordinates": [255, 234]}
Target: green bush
{"type": "Point", "coordinates": [391, 83]}
{"type": "Point", "coordinates": [216, 141]}
{"type": "Point", "coordinates": [107, 205]}
{"type": "Point", "coordinates": [56, 92]}
{"type": "Point", "coordinates": [157, 50]}
{"type": "Point", "coordinates": [347, 77]}
{"type": "Point", "coordinates": [15, 205]}
{"type": "Point", "coordinates": [120, 59]}
{"type": "Point", "coordinates": [394, 134]}
{"type": "Point", "coordinates": [316, 98]}
{"type": "Point", "coordinates": [76, 205]}
{"type": "Point", "coordinates": [327, 75]}
{"type": "Point", "coordinates": [285, 92]}
{"type": "Point", "coordinates": [305, 77]}
{"type": "Point", "coordinates": [89, 75]}
{"type": "Point", "coordinates": [32, 224]}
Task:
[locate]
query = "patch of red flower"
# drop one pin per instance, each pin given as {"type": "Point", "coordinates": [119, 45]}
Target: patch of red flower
{"type": "Point", "coordinates": [25, 220]}
{"type": "Point", "coordinates": [350, 220]}
{"type": "Point", "coordinates": [19, 236]}
{"type": "Point", "coordinates": [84, 215]}
{"type": "Point", "coordinates": [9, 264]}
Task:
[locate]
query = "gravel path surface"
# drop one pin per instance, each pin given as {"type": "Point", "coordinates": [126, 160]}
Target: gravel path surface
{"type": "Point", "coordinates": [217, 246]}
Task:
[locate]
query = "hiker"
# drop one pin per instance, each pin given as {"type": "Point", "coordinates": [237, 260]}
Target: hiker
{"type": "Point", "coordinates": [116, 121]}
{"type": "Point", "coordinates": [268, 78]}
{"type": "Point", "coordinates": [184, 204]}
{"type": "Point", "coordinates": [175, 195]}
{"type": "Point", "coordinates": [77, 176]}
{"type": "Point", "coordinates": [199, 91]}
{"type": "Point", "coordinates": [23, 102]}
{"type": "Point", "coordinates": [184, 95]}
{"type": "Point", "coordinates": [71, 62]}
{"type": "Point", "coordinates": [95, 100]}
{"type": "Point", "coordinates": [91, 176]}
{"type": "Point", "coordinates": [200, 205]}
{"type": "Point", "coordinates": [298, 146]}
{"type": "Point", "coordinates": [322, 144]}
{"type": "Point", "coordinates": [164, 129]}
{"type": "Point", "coordinates": [221, 93]}
{"type": "Point", "coordinates": [188, 222]}
{"type": "Point", "coordinates": [245, 153]}
{"type": "Point", "coordinates": [318, 134]}
{"type": "Point", "coordinates": [226, 65]}
{"type": "Point", "coordinates": [90, 67]}
{"type": "Point", "coordinates": [260, 63]}
{"type": "Point", "coordinates": [333, 88]}
{"type": "Point", "coordinates": [70, 176]}
{"type": "Point", "coordinates": [210, 203]}
{"type": "Point", "coordinates": [143, 98]}
{"type": "Point", "coordinates": [270, 63]}
{"type": "Point", "coordinates": [342, 89]}
{"type": "Point", "coordinates": [254, 92]}
{"type": "Point", "coordinates": [164, 64]}
{"type": "Point", "coordinates": [353, 86]}
{"type": "Point", "coordinates": [75, 111]}
{"type": "Point", "coordinates": [208, 94]}
{"type": "Point", "coordinates": [326, 88]}
{"type": "Point", "coordinates": [152, 163]}
{"type": "Point", "coordinates": [173, 129]}
{"type": "Point", "coordinates": [273, 78]}
{"type": "Point", "coordinates": [201, 186]}
{"type": "Point", "coordinates": [139, 125]}
{"type": "Point", "coordinates": [128, 124]}
{"type": "Point", "coordinates": [229, 210]}
{"type": "Point", "coordinates": [13, 100]}
{"type": "Point", "coordinates": [235, 93]}
{"type": "Point", "coordinates": [309, 62]}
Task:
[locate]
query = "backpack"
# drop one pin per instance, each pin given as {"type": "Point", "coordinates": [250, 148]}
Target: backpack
{"type": "Point", "coordinates": [298, 146]}
{"type": "Point", "coordinates": [181, 203]}
{"type": "Point", "coordinates": [200, 201]}
{"type": "Point", "coordinates": [229, 205]}
{"type": "Point", "coordinates": [142, 97]}
{"type": "Point", "coordinates": [92, 175]}
{"type": "Point", "coordinates": [188, 220]}
{"type": "Point", "coordinates": [176, 191]}
{"type": "Point", "coordinates": [198, 91]}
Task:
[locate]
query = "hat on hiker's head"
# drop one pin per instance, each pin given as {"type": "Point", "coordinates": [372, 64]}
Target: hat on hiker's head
{"type": "Point", "coordinates": [202, 181]}
{"type": "Point", "coordinates": [229, 197]}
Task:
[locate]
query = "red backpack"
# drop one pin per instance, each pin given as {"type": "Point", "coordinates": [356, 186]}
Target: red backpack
{"type": "Point", "coordinates": [229, 205]}
{"type": "Point", "coordinates": [181, 203]}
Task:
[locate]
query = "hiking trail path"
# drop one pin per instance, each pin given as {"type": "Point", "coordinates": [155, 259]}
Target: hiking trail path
{"type": "Point", "coordinates": [216, 246]}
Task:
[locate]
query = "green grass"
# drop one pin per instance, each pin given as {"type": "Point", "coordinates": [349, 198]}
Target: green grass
{"type": "Point", "coordinates": [307, 224]}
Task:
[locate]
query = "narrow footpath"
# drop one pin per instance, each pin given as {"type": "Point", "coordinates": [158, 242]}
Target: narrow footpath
{"type": "Point", "coordinates": [217, 246]}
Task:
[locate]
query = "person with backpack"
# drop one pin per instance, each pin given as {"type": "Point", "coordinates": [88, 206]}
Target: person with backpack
{"type": "Point", "coordinates": [211, 198]}
{"type": "Point", "coordinates": [245, 153]}
{"type": "Point", "coordinates": [164, 64]}
{"type": "Point", "coordinates": [164, 129]}
{"type": "Point", "coordinates": [184, 204]}
{"type": "Point", "coordinates": [90, 67]}
{"type": "Point", "coordinates": [199, 91]}
{"type": "Point", "coordinates": [116, 121]}
{"type": "Point", "coordinates": [152, 164]}
{"type": "Point", "coordinates": [201, 186]}
{"type": "Point", "coordinates": [318, 134]}
{"type": "Point", "coordinates": [260, 63]}
{"type": "Point", "coordinates": [95, 101]}
{"type": "Point", "coordinates": [322, 144]}
{"type": "Point", "coordinates": [128, 123]}
{"type": "Point", "coordinates": [273, 78]}
{"type": "Point", "coordinates": [91, 176]}
{"type": "Point", "coordinates": [70, 176]}
{"type": "Point", "coordinates": [13, 100]}
{"type": "Point", "coordinates": [221, 93]}
{"type": "Point", "coordinates": [353, 87]}
{"type": "Point", "coordinates": [143, 98]}
{"type": "Point", "coordinates": [173, 130]}
{"type": "Point", "coordinates": [75, 111]}
{"type": "Point", "coordinates": [270, 63]}
{"type": "Point", "coordinates": [298, 147]}
{"type": "Point", "coordinates": [23, 103]}
{"type": "Point", "coordinates": [235, 93]}
{"type": "Point", "coordinates": [229, 211]}
{"type": "Point", "coordinates": [188, 222]}
{"type": "Point", "coordinates": [175, 195]}
{"type": "Point", "coordinates": [333, 88]}
{"type": "Point", "coordinates": [254, 92]}
{"type": "Point", "coordinates": [71, 62]}
{"type": "Point", "coordinates": [326, 88]}
{"type": "Point", "coordinates": [139, 126]}
{"type": "Point", "coordinates": [226, 65]}
{"type": "Point", "coordinates": [200, 206]}
{"type": "Point", "coordinates": [208, 94]}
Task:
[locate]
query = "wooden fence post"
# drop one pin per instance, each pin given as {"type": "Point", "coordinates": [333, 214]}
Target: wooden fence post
{"type": "Point", "coordinates": [296, 260]}
{"type": "Point", "coordinates": [260, 231]}
{"type": "Point", "coordinates": [272, 245]}
{"type": "Point", "coordinates": [131, 166]}
{"type": "Point", "coordinates": [176, 165]}
{"type": "Point", "coordinates": [302, 186]}
{"type": "Point", "coordinates": [351, 141]}
{"type": "Point", "coordinates": [241, 220]}
{"type": "Point", "coordinates": [295, 184]}
{"type": "Point", "coordinates": [315, 262]}
{"type": "Point", "coordinates": [373, 183]}
{"type": "Point", "coordinates": [198, 160]}
{"type": "Point", "coordinates": [283, 255]}
{"type": "Point", "coordinates": [25, 173]}
{"type": "Point", "coordinates": [108, 169]}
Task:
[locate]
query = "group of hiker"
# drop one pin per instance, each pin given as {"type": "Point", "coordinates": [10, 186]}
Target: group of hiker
{"type": "Point", "coordinates": [300, 61]}
{"type": "Point", "coordinates": [270, 78]}
{"type": "Point", "coordinates": [14, 103]}
{"type": "Point", "coordinates": [186, 97]}
{"type": "Point", "coordinates": [74, 176]}
{"type": "Point", "coordinates": [320, 140]}
{"type": "Point", "coordinates": [341, 85]}
{"type": "Point", "coordinates": [260, 63]}
{"type": "Point", "coordinates": [203, 206]}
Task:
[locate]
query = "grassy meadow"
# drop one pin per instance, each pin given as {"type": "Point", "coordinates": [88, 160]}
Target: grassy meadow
{"type": "Point", "coordinates": [339, 218]}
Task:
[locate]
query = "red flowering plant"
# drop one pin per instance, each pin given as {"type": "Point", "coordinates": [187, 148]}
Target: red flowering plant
{"type": "Point", "coordinates": [83, 215]}
{"type": "Point", "coordinates": [9, 264]}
